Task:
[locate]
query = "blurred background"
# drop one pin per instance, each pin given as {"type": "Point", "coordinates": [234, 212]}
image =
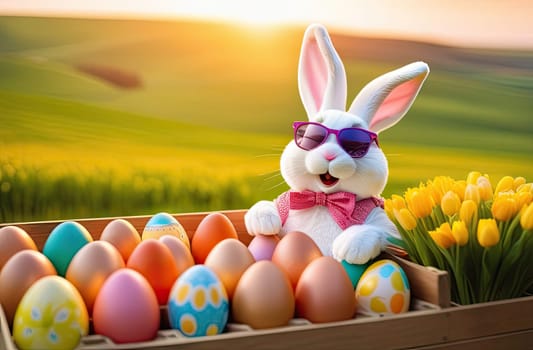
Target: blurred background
{"type": "Point", "coordinates": [117, 108]}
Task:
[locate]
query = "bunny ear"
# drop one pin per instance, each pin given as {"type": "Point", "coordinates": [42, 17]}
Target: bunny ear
{"type": "Point", "coordinates": [386, 99]}
{"type": "Point", "coordinates": [321, 75]}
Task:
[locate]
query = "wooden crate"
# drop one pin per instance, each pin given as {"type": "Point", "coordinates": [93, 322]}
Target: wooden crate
{"type": "Point", "coordinates": [431, 324]}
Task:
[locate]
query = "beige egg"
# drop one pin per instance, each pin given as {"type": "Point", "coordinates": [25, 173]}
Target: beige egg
{"type": "Point", "coordinates": [263, 297]}
{"type": "Point", "coordinates": [181, 253]}
{"type": "Point", "coordinates": [293, 253]}
{"type": "Point", "coordinates": [123, 235]}
{"type": "Point", "coordinates": [18, 274]}
{"type": "Point", "coordinates": [91, 266]}
{"type": "Point", "coordinates": [12, 240]}
{"type": "Point", "coordinates": [324, 292]}
{"type": "Point", "coordinates": [229, 259]}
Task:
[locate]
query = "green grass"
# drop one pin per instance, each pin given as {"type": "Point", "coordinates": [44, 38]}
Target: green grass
{"type": "Point", "coordinates": [205, 130]}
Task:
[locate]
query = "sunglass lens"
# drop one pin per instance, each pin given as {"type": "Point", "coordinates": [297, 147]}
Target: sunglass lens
{"type": "Point", "coordinates": [355, 142]}
{"type": "Point", "coordinates": [309, 136]}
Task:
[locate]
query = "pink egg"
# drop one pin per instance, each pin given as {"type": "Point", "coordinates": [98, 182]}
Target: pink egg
{"type": "Point", "coordinates": [262, 246]}
{"type": "Point", "coordinates": [126, 308]}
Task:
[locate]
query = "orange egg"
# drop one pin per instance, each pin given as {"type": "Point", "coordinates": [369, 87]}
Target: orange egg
{"type": "Point", "coordinates": [181, 253]}
{"type": "Point", "coordinates": [293, 253]}
{"type": "Point", "coordinates": [91, 266]}
{"type": "Point", "coordinates": [123, 235]}
{"type": "Point", "coordinates": [229, 259]}
{"type": "Point", "coordinates": [263, 297]}
{"type": "Point", "coordinates": [213, 228]}
{"type": "Point", "coordinates": [12, 240]}
{"type": "Point", "coordinates": [324, 292]}
{"type": "Point", "coordinates": [18, 274]}
{"type": "Point", "coordinates": [155, 262]}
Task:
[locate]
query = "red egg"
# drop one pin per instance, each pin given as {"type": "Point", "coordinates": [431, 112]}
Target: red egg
{"type": "Point", "coordinates": [155, 262]}
{"type": "Point", "coordinates": [126, 310]}
{"type": "Point", "coordinates": [293, 253]}
{"type": "Point", "coordinates": [214, 228]}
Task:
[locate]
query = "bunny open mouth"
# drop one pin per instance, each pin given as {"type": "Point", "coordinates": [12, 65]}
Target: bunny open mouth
{"type": "Point", "coordinates": [328, 180]}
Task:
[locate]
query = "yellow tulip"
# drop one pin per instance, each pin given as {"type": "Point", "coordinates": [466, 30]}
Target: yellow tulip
{"type": "Point", "coordinates": [439, 186]}
{"type": "Point", "coordinates": [398, 202]}
{"type": "Point", "coordinates": [387, 206]}
{"type": "Point", "coordinates": [405, 218]}
{"type": "Point", "coordinates": [419, 202]}
{"type": "Point", "coordinates": [450, 203]}
{"type": "Point", "coordinates": [526, 218]}
{"type": "Point", "coordinates": [467, 211]}
{"type": "Point", "coordinates": [488, 233]}
{"type": "Point", "coordinates": [505, 184]}
{"type": "Point", "coordinates": [523, 198]}
{"type": "Point", "coordinates": [443, 236]}
{"type": "Point", "coordinates": [504, 207]}
{"type": "Point", "coordinates": [459, 187]}
{"type": "Point", "coordinates": [485, 188]}
{"type": "Point", "coordinates": [472, 177]}
{"type": "Point", "coordinates": [528, 187]}
{"type": "Point", "coordinates": [460, 232]}
{"type": "Point", "coordinates": [518, 181]}
{"type": "Point", "coordinates": [472, 193]}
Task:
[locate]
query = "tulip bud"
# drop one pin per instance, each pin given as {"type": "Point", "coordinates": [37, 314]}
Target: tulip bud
{"type": "Point", "coordinates": [505, 184]}
{"type": "Point", "coordinates": [420, 203]}
{"type": "Point", "coordinates": [387, 206]}
{"type": "Point", "coordinates": [488, 233]}
{"type": "Point", "coordinates": [504, 207]}
{"type": "Point", "coordinates": [518, 181]}
{"type": "Point", "coordinates": [398, 202]}
{"type": "Point", "coordinates": [443, 236]}
{"type": "Point", "coordinates": [468, 210]}
{"type": "Point", "coordinates": [459, 187]}
{"type": "Point", "coordinates": [472, 193]}
{"type": "Point", "coordinates": [450, 203]}
{"type": "Point", "coordinates": [526, 218]}
{"type": "Point", "coordinates": [405, 218]}
{"type": "Point", "coordinates": [485, 188]}
{"type": "Point", "coordinates": [460, 232]}
{"type": "Point", "coordinates": [472, 177]}
{"type": "Point", "coordinates": [523, 198]}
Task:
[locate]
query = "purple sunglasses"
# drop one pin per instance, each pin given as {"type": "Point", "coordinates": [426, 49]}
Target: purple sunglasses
{"type": "Point", "coordinates": [355, 141]}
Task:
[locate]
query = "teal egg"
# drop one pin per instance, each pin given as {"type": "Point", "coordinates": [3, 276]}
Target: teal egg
{"type": "Point", "coordinates": [198, 304]}
{"type": "Point", "coordinates": [354, 271]}
{"type": "Point", "coordinates": [64, 242]}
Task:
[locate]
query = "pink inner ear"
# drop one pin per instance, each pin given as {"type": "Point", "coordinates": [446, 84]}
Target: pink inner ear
{"type": "Point", "coordinates": [316, 72]}
{"type": "Point", "coordinates": [397, 102]}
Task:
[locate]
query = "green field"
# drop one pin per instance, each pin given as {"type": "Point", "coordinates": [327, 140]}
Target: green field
{"type": "Point", "coordinates": [205, 125]}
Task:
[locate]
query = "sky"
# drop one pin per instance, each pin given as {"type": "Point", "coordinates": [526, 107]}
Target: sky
{"type": "Point", "coordinates": [474, 23]}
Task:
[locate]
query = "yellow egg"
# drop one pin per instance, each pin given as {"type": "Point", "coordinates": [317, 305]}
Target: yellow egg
{"type": "Point", "coordinates": [51, 315]}
{"type": "Point", "coordinates": [383, 290]}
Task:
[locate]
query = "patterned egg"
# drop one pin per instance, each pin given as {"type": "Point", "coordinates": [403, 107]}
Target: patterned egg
{"type": "Point", "coordinates": [51, 315]}
{"type": "Point", "coordinates": [198, 304]}
{"type": "Point", "coordinates": [383, 290]}
{"type": "Point", "coordinates": [165, 224]}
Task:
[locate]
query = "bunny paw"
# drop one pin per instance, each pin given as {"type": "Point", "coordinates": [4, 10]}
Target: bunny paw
{"type": "Point", "coordinates": [357, 245]}
{"type": "Point", "coordinates": [263, 218]}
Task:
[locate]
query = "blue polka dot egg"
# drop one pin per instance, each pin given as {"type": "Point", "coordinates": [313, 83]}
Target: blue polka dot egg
{"type": "Point", "coordinates": [198, 303]}
{"type": "Point", "coordinates": [383, 290]}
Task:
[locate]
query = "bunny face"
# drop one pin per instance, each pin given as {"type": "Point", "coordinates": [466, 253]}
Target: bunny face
{"type": "Point", "coordinates": [329, 168]}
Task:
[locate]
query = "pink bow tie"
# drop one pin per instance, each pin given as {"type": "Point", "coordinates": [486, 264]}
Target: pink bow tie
{"type": "Point", "coordinates": [341, 205]}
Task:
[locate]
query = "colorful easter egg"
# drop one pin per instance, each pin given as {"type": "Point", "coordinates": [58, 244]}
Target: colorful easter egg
{"type": "Point", "coordinates": [165, 224]}
{"type": "Point", "coordinates": [51, 315]}
{"type": "Point", "coordinates": [198, 304]}
{"type": "Point", "coordinates": [383, 290]}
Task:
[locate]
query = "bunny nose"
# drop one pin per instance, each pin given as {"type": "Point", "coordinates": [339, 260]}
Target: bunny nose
{"type": "Point", "coordinates": [330, 156]}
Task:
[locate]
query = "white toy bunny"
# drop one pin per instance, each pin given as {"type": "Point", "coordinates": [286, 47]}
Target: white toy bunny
{"type": "Point", "coordinates": [334, 166]}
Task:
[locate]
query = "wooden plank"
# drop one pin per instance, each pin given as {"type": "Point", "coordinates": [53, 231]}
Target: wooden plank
{"type": "Point", "coordinates": [508, 341]}
{"type": "Point", "coordinates": [492, 318]}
